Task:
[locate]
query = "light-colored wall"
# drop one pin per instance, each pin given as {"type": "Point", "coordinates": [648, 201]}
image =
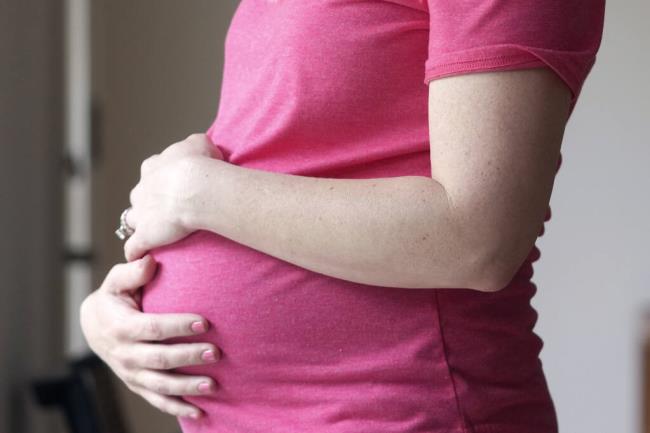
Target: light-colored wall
{"type": "Point", "coordinates": [159, 76]}
{"type": "Point", "coordinates": [594, 273]}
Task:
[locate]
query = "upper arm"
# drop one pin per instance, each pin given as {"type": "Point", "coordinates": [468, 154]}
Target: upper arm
{"type": "Point", "coordinates": [495, 143]}
{"type": "Point", "coordinates": [504, 77]}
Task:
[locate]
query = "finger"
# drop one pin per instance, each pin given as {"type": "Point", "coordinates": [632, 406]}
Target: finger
{"type": "Point", "coordinates": [150, 164]}
{"type": "Point", "coordinates": [134, 195]}
{"type": "Point", "coordinates": [168, 356]}
{"type": "Point", "coordinates": [124, 277]}
{"type": "Point", "coordinates": [135, 246]}
{"type": "Point", "coordinates": [171, 405]}
{"type": "Point", "coordinates": [175, 149]}
{"type": "Point", "coordinates": [166, 383]}
{"type": "Point", "coordinates": [193, 144]}
{"type": "Point", "coordinates": [204, 145]}
{"type": "Point", "coordinates": [160, 326]}
{"type": "Point", "coordinates": [200, 142]}
{"type": "Point", "coordinates": [132, 218]}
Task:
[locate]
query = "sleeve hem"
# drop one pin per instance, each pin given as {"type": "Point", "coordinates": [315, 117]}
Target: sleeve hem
{"type": "Point", "coordinates": [505, 57]}
{"type": "Point", "coordinates": [499, 62]}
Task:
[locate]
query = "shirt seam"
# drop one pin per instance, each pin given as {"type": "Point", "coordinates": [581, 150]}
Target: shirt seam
{"type": "Point", "coordinates": [436, 306]}
{"type": "Point", "coordinates": [525, 57]}
{"type": "Point", "coordinates": [443, 69]}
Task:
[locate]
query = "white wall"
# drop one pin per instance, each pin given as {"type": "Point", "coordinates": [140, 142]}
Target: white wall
{"type": "Point", "coordinates": [593, 276]}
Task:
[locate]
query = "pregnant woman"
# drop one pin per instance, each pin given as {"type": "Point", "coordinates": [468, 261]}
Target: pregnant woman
{"type": "Point", "coordinates": [349, 247]}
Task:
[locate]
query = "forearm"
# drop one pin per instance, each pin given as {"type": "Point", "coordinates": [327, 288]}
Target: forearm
{"type": "Point", "coordinates": [393, 232]}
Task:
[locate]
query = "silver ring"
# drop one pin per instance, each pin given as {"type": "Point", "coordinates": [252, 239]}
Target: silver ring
{"type": "Point", "coordinates": [124, 231]}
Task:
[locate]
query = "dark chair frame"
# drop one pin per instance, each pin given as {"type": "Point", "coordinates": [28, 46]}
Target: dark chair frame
{"type": "Point", "coordinates": [86, 396]}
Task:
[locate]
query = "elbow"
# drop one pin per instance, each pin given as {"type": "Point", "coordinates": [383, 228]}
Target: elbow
{"type": "Point", "coordinates": [495, 281]}
{"type": "Point", "coordinates": [493, 270]}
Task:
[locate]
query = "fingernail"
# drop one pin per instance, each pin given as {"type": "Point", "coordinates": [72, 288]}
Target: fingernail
{"type": "Point", "coordinates": [198, 327]}
{"type": "Point", "coordinates": [209, 356]}
{"type": "Point", "coordinates": [195, 415]}
{"type": "Point", "coordinates": [204, 388]}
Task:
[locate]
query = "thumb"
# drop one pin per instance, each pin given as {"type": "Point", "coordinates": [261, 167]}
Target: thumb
{"type": "Point", "coordinates": [135, 246]}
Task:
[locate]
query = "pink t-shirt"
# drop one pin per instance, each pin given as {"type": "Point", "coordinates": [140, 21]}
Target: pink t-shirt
{"type": "Point", "coordinates": [337, 88]}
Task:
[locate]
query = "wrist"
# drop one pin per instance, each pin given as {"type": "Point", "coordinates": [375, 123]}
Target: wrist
{"type": "Point", "coordinates": [200, 191]}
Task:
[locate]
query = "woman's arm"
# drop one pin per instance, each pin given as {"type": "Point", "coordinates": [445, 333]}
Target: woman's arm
{"type": "Point", "coordinates": [495, 140]}
{"type": "Point", "coordinates": [396, 232]}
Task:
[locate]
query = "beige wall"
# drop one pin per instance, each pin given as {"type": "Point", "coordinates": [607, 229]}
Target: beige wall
{"type": "Point", "coordinates": [156, 78]}
{"type": "Point", "coordinates": [31, 287]}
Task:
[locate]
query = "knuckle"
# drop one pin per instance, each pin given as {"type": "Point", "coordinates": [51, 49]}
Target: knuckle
{"type": "Point", "coordinates": [112, 274]}
{"type": "Point", "coordinates": [146, 164]}
{"type": "Point", "coordinates": [115, 354]}
{"type": "Point", "coordinates": [194, 356]}
{"type": "Point", "coordinates": [118, 331]}
{"type": "Point", "coordinates": [113, 283]}
{"type": "Point", "coordinates": [152, 329]}
{"type": "Point", "coordinates": [191, 388]}
{"type": "Point", "coordinates": [128, 361]}
{"type": "Point", "coordinates": [171, 148]}
{"type": "Point", "coordinates": [133, 194]}
{"type": "Point", "coordinates": [115, 269]}
{"type": "Point", "coordinates": [83, 307]}
{"type": "Point", "coordinates": [154, 400]}
{"type": "Point", "coordinates": [159, 361]}
{"type": "Point", "coordinates": [129, 378]}
{"type": "Point", "coordinates": [85, 314]}
{"type": "Point", "coordinates": [141, 266]}
{"type": "Point", "coordinates": [169, 408]}
{"type": "Point", "coordinates": [160, 386]}
{"type": "Point", "coordinates": [127, 247]}
{"type": "Point", "coordinates": [137, 378]}
{"type": "Point", "coordinates": [118, 356]}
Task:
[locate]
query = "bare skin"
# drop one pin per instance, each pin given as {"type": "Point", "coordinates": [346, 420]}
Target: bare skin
{"type": "Point", "coordinates": [495, 141]}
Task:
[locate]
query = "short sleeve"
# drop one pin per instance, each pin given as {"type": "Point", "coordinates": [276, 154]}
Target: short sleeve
{"type": "Point", "coordinates": [482, 35]}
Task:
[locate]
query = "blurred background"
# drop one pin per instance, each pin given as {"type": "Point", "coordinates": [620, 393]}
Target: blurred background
{"type": "Point", "coordinates": [90, 88]}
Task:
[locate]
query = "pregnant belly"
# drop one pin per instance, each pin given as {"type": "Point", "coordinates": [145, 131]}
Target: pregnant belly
{"type": "Point", "coordinates": [300, 348]}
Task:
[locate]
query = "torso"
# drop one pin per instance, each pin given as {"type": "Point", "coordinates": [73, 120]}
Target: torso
{"type": "Point", "coordinates": [335, 89]}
